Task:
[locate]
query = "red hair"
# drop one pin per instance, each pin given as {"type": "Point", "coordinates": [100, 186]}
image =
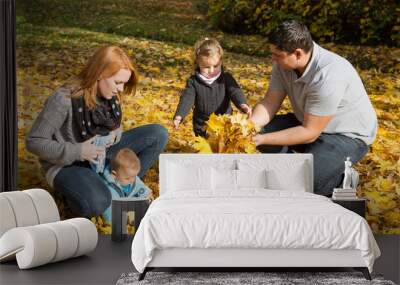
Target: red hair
{"type": "Point", "coordinates": [105, 62]}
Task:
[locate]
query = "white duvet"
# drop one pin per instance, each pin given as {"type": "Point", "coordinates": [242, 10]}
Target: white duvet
{"type": "Point", "coordinates": [251, 218]}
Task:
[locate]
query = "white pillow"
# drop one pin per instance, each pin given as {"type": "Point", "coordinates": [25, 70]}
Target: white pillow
{"type": "Point", "coordinates": [251, 178]}
{"type": "Point", "coordinates": [183, 177]}
{"type": "Point", "coordinates": [282, 174]}
{"type": "Point", "coordinates": [292, 179]}
{"type": "Point", "coordinates": [228, 179]}
{"type": "Point", "coordinates": [223, 179]}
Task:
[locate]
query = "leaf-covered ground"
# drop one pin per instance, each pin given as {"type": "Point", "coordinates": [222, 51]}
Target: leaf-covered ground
{"type": "Point", "coordinates": [55, 38]}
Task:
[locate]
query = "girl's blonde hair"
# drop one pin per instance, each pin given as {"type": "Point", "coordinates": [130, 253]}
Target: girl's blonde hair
{"type": "Point", "coordinates": [105, 62]}
{"type": "Point", "coordinates": [207, 47]}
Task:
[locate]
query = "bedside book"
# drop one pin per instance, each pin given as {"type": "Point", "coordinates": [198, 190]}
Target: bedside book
{"type": "Point", "coordinates": [339, 190]}
{"type": "Point", "coordinates": [345, 194]}
{"type": "Point", "coordinates": [345, 198]}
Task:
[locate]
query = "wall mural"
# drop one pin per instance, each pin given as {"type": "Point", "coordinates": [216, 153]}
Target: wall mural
{"type": "Point", "coordinates": [52, 47]}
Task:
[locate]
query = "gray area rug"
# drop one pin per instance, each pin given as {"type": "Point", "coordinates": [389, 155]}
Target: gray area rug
{"type": "Point", "coordinates": [231, 278]}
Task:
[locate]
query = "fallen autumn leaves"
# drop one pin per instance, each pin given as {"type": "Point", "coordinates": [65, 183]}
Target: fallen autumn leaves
{"type": "Point", "coordinates": [164, 68]}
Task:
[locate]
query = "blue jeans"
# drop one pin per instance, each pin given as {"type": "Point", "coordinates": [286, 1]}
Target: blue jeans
{"type": "Point", "coordinates": [329, 152]}
{"type": "Point", "coordinates": [86, 193]}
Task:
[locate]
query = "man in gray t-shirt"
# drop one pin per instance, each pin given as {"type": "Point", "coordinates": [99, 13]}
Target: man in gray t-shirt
{"type": "Point", "coordinates": [332, 115]}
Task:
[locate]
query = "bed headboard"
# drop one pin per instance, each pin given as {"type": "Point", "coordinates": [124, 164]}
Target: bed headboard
{"type": "Point", "coordinates": [282, 164]}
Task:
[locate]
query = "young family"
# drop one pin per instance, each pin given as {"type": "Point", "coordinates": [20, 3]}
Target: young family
{"type": "Point", "coordinates": [89, 159]}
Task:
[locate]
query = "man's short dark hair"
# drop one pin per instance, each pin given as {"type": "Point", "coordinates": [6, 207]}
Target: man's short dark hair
{"type": "Point", "coordinates": [291, 35]}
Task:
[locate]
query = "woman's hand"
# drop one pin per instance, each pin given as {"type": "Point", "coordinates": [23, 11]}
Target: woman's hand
{"type": "Point", "coordinates": [177, 122]}
{"type": "Point", "coordinates": [113, 137]}
{"type": "Point", "coordinates": [90, 151]}
{"type": "Point", "coordinates": [246, 109]}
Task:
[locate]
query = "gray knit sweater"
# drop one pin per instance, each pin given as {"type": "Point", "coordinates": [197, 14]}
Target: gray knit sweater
{"type": "Point", "coordinates": [53, 137]}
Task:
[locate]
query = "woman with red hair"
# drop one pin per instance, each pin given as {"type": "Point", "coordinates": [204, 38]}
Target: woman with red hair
{"type": "Point", "coordinates": [87, 107]}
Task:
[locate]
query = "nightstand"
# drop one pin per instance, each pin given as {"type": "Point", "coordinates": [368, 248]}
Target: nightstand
{"type": "Point", "coordinates": [356, 205]}
{"type": "Point", "coordinates": [119, 208]}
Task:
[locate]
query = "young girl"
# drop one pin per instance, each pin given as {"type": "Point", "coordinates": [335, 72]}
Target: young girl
{"type": "Point", "coordinates": [210, 89]}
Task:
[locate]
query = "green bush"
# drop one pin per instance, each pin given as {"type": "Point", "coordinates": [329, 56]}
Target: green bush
{"type": "Point", "coordinates": [343, 21]}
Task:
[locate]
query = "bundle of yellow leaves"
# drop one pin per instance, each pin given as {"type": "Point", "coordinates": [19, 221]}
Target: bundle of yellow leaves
{"type": "Point", "coordinates": [228, 134]}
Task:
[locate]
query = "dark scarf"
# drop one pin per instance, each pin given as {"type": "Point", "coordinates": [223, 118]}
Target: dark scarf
{"type": "Point", "coordinates": [105, 117]}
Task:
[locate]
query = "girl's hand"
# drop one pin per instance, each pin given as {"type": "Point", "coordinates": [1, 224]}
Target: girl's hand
{"type": "Point", "coordinates": [246, 109]}
{"type": "Point", "coordinates": [90, 151]}
{"type": "Point", "coordinates": [177, 122]}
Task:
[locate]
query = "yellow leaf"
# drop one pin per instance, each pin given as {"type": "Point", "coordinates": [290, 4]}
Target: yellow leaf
{"type": "Point", "coordinates": [202, 145]}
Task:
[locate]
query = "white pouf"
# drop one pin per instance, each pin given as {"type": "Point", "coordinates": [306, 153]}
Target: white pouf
{"type": "Point", "coordinates": [31, 230]}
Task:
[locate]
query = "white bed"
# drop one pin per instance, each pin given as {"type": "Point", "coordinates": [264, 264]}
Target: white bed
{"type": "Point", "coordinates": [239, 210]}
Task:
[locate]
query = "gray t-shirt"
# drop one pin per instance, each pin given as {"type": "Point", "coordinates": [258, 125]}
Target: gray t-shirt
{"type": "Point", "coordinates": [330, 86]}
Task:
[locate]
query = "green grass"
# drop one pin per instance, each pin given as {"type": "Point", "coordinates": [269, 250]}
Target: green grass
{"type": "Point", "coordinates": [170, 21]}
{"type": "Point", "coordinates": [55, 23]}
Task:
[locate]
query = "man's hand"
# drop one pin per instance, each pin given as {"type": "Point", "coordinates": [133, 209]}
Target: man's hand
{"type": "Point", "coordinates": [246, 109]}
{"type": "Point", "coordinates": [259, 139]}
{"type": "Point", "coordinates": [303, 134]}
